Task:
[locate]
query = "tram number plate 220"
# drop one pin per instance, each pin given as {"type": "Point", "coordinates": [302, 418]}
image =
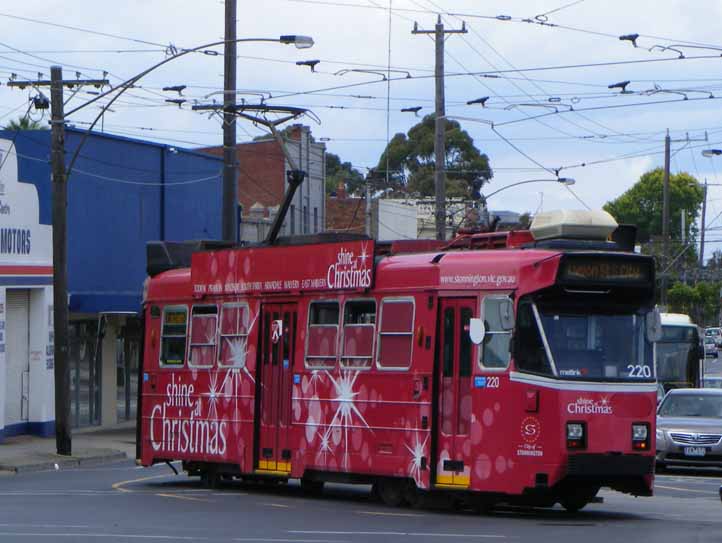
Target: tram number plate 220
{"type": "Point", "coordinates": [695, 451]}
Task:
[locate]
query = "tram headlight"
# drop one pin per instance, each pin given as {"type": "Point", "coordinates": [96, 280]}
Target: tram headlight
{"type": "Point", "coordinates": [576, 435]}
{"type": "Point", "coordinates": [640, 436]}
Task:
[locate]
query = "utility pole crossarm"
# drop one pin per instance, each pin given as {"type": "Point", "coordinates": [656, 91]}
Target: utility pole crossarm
{"type": "Point", "coordinates": [70, 83]}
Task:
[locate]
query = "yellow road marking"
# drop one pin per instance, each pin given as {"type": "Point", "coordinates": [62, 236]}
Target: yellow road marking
{"type": "Point", "coordinates": [683, 489]}
{"type": "Point", "coordinates": [119, 485]}
{"type": "Point", "coordinates": [177, 497]}
{"type": "Point", "coordinates": [385, 514]}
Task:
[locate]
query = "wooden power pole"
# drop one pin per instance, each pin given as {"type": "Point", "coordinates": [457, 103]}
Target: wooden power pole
{"type": "Point", "coordinates": [229, 222]}
{"type": "Point", "coordinates": [63, 435]}
{"type": "Point", "coordinates": [440, 124]}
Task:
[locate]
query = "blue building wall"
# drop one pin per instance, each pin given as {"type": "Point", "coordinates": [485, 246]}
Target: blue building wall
{"type": "Point", "coordinates": [121, 193]}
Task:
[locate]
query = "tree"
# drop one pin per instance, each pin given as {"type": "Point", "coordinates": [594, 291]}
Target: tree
{"type": "Point", "coordinates": [701, 301]}
{"type": "Point", "coordinates": [25, 123]}
{"type": "Point", "coordinates": [338, 172]}
{"type": "Point", "coordinates": [642, 205]}
{"type": "Point", "coordinates": [411, 160]}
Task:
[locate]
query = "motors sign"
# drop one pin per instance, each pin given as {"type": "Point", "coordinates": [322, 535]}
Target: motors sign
{"type": "Point", "coordinates": [23, 240]}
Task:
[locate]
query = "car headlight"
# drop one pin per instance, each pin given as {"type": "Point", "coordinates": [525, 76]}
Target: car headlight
{"type": "Point", "coordinates": [660, 435]}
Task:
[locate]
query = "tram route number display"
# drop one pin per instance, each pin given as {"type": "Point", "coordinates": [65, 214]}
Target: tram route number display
{"type": "Point", "coordinates": [639, 371]}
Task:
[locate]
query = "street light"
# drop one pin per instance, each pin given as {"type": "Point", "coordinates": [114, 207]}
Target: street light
{"type": "Point", "coordinates": [301, 42]}
{"type": "Point", "coordinates": [59, 196]}
{"type": "Point", "coordinates": [566, 181]}
{"type": "Point", "coordinates": [711, 152]}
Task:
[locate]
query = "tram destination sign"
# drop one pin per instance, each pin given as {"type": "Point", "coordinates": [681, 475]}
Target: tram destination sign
{"type": "Point", "coordinates": [595, 269]}
{"type": "Point", "coordinates": [258, 270]}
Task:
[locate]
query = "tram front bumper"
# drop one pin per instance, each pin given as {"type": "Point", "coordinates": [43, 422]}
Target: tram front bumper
{"type": "Point", "coordinates": [630, 473]}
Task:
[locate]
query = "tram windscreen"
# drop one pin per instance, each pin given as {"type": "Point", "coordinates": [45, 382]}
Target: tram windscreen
{"type": "Point", "coordinates": [586, 346]}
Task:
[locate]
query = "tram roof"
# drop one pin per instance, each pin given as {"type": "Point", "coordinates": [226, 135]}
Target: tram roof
{"type": "Point", "coordinates": [496, 261]}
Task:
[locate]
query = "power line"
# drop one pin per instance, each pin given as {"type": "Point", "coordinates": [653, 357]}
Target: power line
{"type": "Point", "coordinates": [565, 6]}
{"type": "Point", "coordinates": [79, 29]}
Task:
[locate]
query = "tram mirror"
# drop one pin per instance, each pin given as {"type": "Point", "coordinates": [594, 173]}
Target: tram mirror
{"type": "Point", "coordinates": [506, 314]}
{"type": "Point", "coordinates": [654, 325]}
{"type": "Point", "coordinates": [476, 331]}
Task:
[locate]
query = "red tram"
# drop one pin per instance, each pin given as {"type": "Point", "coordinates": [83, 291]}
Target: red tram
{"type": "Point", "coordinates": [503, 366]}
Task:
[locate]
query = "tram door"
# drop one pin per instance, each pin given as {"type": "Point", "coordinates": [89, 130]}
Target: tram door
{"type": "Point", "coordinates": [273, 451]}
{"type": "Point", "coordinates": [454, 368]}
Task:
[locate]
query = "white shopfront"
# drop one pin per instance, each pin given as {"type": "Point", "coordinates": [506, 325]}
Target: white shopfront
{"type": "Point", "coordinates": [26, 305]}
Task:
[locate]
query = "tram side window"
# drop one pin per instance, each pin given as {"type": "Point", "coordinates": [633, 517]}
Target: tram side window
{"type": "Point", "coordinates": [495, 351]}
{"type": "Point", "coordinates": [173, 336]}
{"type": "Point", "coordinates": [234, 335]}
{"type": "Point", "coordinates": [322, 341]}
{"type": "Point", "coordinates": [359, 324]}
{"type": "Point", "coordinates": [396, 334]}
{"type": "Point", "coordinates": [204, 327]}
{"type": "Point", "coordinates": [529, 352]}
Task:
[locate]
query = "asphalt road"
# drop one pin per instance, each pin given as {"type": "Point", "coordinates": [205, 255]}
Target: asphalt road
{"type": "Point", "coordinates": [122, 503]}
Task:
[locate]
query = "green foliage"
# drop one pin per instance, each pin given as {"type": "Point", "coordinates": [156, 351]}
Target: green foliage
{"type": "Point", "coordinates": [342, 172]}
{"type": "Point", "coordinates": [642, 205]}
{"type": "Point", "coordinates": [411, 160]}
{"type": "Point", "coordinates": [701, 301]}
{"type": "Point", "coordinates": [25, 123]}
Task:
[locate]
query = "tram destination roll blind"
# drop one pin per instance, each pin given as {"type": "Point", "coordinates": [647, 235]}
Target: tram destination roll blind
{"type": "Point", "coordinates": [618, 271]}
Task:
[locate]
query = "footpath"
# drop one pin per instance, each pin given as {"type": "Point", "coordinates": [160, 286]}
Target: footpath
{"type": "Point", "coordinates": [90, 446]}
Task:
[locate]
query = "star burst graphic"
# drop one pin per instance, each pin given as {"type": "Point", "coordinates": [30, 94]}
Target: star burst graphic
{"type": "Point", "coordinates": [364, 255]}
{"type": "Point", "coordinates": [214, 394]}
{"type": "Point", "coordinates": [345, 411]}
{"type": "Point", "coordinates": [417, 454]}
{"type": "Point", "coordinates": [238, 347]}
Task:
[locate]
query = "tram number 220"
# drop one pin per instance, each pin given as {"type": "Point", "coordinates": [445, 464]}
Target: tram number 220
{"type": "Point", "coordinates": [639, 371]}
{"type": "Point", "coordinates": [492, 382]}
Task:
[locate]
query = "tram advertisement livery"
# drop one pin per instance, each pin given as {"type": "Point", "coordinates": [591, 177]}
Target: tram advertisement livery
{"type": "Point", "coordinates": [266, 270]}
{"type": "Point", "coordinates": [489, 368]}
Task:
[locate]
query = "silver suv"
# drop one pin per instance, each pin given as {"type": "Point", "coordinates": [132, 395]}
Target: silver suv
{"type": "Point", "coordinates": [689, 428]}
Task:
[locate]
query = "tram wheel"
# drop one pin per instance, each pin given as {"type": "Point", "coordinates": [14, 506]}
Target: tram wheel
{"type": "Point", "coordinates": [391, 492]}
{"type": "Point", "coordinates": [578, 498]}
{"type": "Point", "coordinates": [311, 487]}
{"type": "Point", "coordinates": [412, 495]}
{"type": "Point", "coordinates": [210, 478]}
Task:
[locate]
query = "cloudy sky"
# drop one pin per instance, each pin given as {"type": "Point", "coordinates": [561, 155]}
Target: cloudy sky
{"type": "Point", "coordinates": [529, 57]}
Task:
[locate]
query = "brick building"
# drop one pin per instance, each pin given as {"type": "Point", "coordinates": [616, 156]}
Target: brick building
{"type": "Point", "coordinates": [262, 184]}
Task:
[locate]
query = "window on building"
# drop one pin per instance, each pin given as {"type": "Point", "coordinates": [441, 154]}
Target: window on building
{"type": "Point", "coordinates": [315, 220]}
{"type": "Point", "coordinates": [234, 335]}
{"type": "Point", "coordinates": [396, 334]}
{"type": "Point", "coordinates": [359, 324]}
{"type": "Point", "coordinates": [204, 327]}
{"type": "Point", "coordinates": [173, 336]}
{"type": "Point", "coordinates": [495, 349]}
{"type": "Point", "coordinates": [322, 340]}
